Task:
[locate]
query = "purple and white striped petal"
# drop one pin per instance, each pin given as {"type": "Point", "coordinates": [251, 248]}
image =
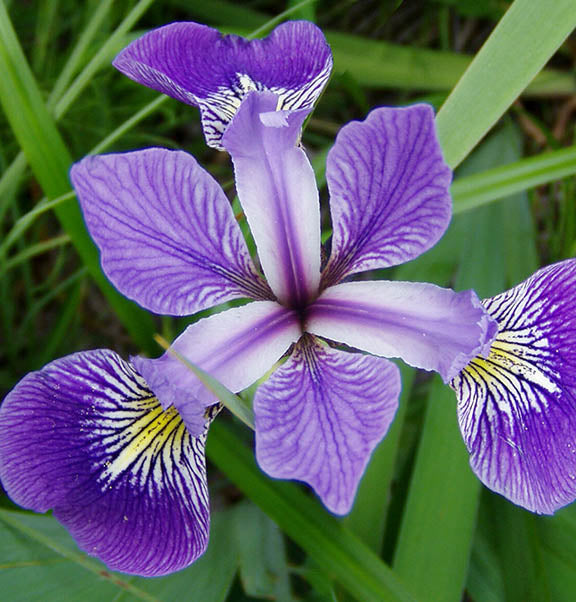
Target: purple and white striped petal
{"type": "Point", "coordinates": [85, 437]}
{"type": "Point", "coordinates": [277, 189]}
{"type": "Point", "coordinates": [237, 347]}
{"type": "Point", "coordinates": [427, 326]}
{"type": "Point", "coordinates": [389, 191]}
{"type": "Point", "coordinates": [166, 231]}
{"type": "Point", "coordinates": [517, 407]}
{"type": "Point", "coordinates": [199, 66]}
{"type": "Point", "coordinates": [320, 415]}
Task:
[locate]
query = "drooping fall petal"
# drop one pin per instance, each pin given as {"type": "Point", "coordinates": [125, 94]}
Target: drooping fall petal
{"type": "Point", "coordinates": [86, 437]}
{"type": "Point", "coordinates": [517, 407]}
{"type": "Point", "coordinates": [320, 415]}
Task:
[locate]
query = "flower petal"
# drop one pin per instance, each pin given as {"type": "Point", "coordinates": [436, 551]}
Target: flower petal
{"type": "Point", "coordinates": [199, 66]}
{"type": "Point", "coordinates": [389, 191]}
{"type": "Point", "coordinates": [86, 437]}
{"type": "Point", "coordinates": [166, 231]}
{"type": "Point", "coordinates": [277, 189]}
{"type": "Point", "coordinates": [517, 408]}
{"type": "Point", "coordinates": [320, 415]}
{"type": "Point", "coordinates": [237, 347]}
{"type": "Point", "coordinates": [427, 326]}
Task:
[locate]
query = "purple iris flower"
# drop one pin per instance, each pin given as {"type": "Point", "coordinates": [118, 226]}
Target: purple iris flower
{"type": "Point", "coordinates": [169, 240]}
{"type": "Point", "coordinates": [87, 438]}
{"type": "Point", "coordinates": [517, 407]}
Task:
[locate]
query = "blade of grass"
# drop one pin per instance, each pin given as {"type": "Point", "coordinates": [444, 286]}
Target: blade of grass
{"type": "Point", "coordinates": [523, 41]}
{"type": "Point", "coordinates": [377, 64]}
{"type": "Point", "coordinates": [433, 533]}
{"type": "Point", "coordinates": [49, 160]}
{"type": "Point", "coordinates": [33, 250]}
{"type": "Point", "coordinates": [482, 188]}
{"type": "Point", "coordinates": [93, 27]}
{"type": "Point", "coordinates": [235, 404]}
{"type": "Point", "coordinates": [113, 43]}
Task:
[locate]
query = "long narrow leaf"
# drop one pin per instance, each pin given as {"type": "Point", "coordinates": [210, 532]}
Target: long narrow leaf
{"type": "Point", "coordinates": [523, 41]}
{"type": "Point", "coordinates": [493, 184]}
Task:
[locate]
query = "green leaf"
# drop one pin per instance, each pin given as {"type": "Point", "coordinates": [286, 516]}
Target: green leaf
{"type": "Point", "coordinates": [439, 516]}
{"type": "Point", "coordinates": [523, 41]}
{"type": "Point", "coordinates": [491, 185]}
{"type": "Point", "coordinates": [264, 571]}
{"type": "Point", "coordinates": [40, 561]}
{"type": "Point", "coordinates": [332, 547]}
{"type": "Point", "coordinates": [50, 160]}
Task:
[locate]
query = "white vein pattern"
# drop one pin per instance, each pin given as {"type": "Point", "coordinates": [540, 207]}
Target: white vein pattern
{"type": "Point", "coordinates": [517, 409]}
{"type": "Point", "coordinates": [219, 108]}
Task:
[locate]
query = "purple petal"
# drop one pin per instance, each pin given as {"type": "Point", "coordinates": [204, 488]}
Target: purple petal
{"type": "Point", "coordinates": [199, 66]}
{"type": "Point", "coordinates": [389, 191]}
{"type": "Point", "coordinates": [517, 408]}
{"type": "Point", "coordinates": [237, 347]}
{"type": "Point", "coordinates": [166, 231]}
{"type": "Point", "coordinates": [86, 437]}
{"type": "Point", "coordinates": [427, 326]}
{"type": "Point", "coordinates": [320, 415]}
{"type": "Point", "coordinates": [277, 189]}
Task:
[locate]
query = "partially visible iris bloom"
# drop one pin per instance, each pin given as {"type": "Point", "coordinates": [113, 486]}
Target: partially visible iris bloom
{"type": "Point", "coordinates": [87, 438]}
{"type": "Point", "coordinates": [517, 407]}
{"type": "Point", "coordinates": [169, 240]}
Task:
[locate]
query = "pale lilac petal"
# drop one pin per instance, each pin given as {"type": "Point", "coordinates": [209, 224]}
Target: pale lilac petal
{"type": "Point", "coordinates": [86, 437]}
{"type": "Point", "coordinates": [166, 231]}
{"type": "Point", "coordinates": [517, 408]}
{"type": "Point", "coordinates": [427, 326]}
{"type": "Point", "coordinates": [237, 347]}
{"type": "Point", "coordinates": [277, 189]}
{"type": "Point", "coordinates": [320, 415]}
{"type": "Point", "coordinates": [389, 191]}
{"type": "Point", "coordinates": [198, 65]}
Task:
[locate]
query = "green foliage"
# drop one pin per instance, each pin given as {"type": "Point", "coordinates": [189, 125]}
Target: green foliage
{"type": "Point", "coordinates": [419, 508]}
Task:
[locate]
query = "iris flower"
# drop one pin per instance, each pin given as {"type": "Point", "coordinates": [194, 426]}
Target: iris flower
{"type": "Point", "coordinates": [87, 438]}
{"type": "Point", "coordinates": [169, 240]}
{"type": "Point", "coordinates": [517, 407]}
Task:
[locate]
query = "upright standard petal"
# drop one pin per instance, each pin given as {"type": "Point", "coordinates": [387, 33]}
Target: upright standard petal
{"type": "Point", "coordinates": [237, 347]}
{"type": "Point", "coordinates": [198, 65]}
{"type": "Point", "coordinates": [277, 190]}
{"type": "Point", "coordinates": [389, 191]}
{"type": "Point", "coordinates": [427, 326]}
{"type": "Point", "coordinates": [86, 437]}
{"type": "Point", "coordinates": [320, 415]}
{"type": "Point", "coordinates": [166, 231]}
{"type": "Point", "coordinates": [517, 408]}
